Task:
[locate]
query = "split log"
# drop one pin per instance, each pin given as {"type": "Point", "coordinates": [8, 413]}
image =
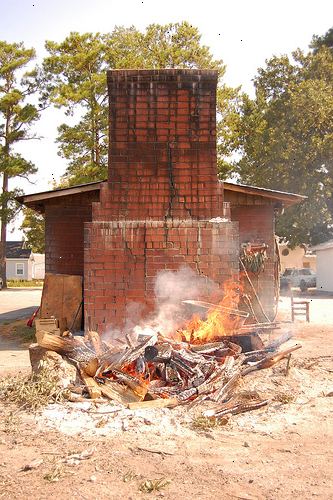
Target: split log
{"type": "Point", "coordinates": [74, 348]}
{"type": "Point", "coordinates": [155, 403]}
{"type": "Point", "coordinates": [228, 388]}
{"type": "Point", "coordinates": [92, 386]}
{"type": "Point", "coordinates": [207, 347]}
{"type": "Point", "coordinates": [91, 367]}
{"type": "Point", "coordinates": [95, 341]}
{"type": "Point", "coordinates": [119, 393]}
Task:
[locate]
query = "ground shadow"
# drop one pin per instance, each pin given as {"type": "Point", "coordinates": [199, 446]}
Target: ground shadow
{"type": "Point", "coordinates": [25, 312]}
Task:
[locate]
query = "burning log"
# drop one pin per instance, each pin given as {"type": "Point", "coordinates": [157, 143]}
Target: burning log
{"type": "Point", "coordinates": [131, 354]}
{"type": "Point", "coordinates": [139, 388]}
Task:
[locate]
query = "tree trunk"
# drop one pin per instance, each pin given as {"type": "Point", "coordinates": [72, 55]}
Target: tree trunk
{"type": "Point", "coordinates": [3, 232]}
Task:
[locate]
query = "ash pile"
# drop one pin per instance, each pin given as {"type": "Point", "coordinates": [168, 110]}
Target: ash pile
{"type": "Point", "coordinates": [205, 360]}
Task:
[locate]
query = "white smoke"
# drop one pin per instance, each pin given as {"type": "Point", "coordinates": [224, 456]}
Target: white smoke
{"type": "Point", "coordinates": [171, 288]}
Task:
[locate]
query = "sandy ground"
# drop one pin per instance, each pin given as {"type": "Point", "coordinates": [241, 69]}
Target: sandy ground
{"type": "Point", "coordinates": [279, 452]}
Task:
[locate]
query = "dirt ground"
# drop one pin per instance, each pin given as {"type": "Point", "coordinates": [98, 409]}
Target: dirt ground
{"type": "Point", "coordinates": [281, 451]}
{"type": "Point", "coordinates": [18, 303]}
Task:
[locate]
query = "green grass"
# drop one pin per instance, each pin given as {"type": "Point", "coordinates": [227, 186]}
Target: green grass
{"type": "Point", "coordinates": [24, 333]}
{"type": "Point", "coordinates": [24, 283]}
{"type": "Point", "coordinates": [18, 331]}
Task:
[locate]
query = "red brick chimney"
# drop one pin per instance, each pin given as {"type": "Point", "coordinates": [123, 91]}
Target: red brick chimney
{"type": "Point", "coordinates": [154, 212]}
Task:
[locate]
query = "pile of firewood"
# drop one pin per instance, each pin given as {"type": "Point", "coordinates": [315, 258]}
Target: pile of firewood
{"type": "Point", "coordinates": [157, 371]}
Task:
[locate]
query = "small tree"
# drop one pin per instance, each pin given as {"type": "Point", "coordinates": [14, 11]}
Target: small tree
{"type": "Point", "coordinates": [16, 118]}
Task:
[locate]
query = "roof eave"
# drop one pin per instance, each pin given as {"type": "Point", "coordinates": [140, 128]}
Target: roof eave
{"type": "Point", "coordinates": [36, 200]}
{"type": "Point", "coordinates": [288, 199]}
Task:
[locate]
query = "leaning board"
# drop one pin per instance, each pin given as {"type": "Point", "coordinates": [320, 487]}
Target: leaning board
{"type": "Point", "coordinates": [61, 297]}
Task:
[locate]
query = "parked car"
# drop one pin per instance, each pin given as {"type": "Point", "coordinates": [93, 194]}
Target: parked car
{"type": "Point", "coordinates": [300, 278]}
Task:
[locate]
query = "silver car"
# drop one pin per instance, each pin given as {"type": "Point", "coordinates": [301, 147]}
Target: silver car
{"type": "Point", "coordinates": [299, 278]}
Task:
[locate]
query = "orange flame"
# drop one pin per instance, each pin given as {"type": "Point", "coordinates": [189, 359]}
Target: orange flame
{"type": "Point", "coordinates": [219, 322]}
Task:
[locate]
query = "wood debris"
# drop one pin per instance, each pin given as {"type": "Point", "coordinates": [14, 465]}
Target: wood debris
{"type": "Point", "coordinates": [161, 372]}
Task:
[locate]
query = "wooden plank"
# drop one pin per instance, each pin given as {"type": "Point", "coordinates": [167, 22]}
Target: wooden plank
{"type": "Point", "coordinates": [72, 298]}
{"type": "Point", "coordinates": [61, 298]}
{"type": "Point", "coordinates": [155, 403]}
{"type": "Point", "coordinates": [51, 303]}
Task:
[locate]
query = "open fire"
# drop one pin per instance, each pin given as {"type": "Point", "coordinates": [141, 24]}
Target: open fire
{"type": "Point", "coordinates": [200, 360]}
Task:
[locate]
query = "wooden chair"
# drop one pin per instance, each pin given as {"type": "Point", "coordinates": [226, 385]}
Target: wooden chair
{"type": "Point", "coordinates": [300, 308]}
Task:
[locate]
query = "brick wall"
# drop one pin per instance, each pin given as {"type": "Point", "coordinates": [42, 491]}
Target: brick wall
{"type": "Point", "coordinates": [162, 190]}
{"type": "Point", "coordinates": [64, 225]}
{"type": "Point", "coordinates": [123, 258]}
{"type": "Point", "coordinates": [256, 224]}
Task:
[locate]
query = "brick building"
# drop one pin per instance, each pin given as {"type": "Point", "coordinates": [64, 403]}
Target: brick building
{"type": "Point", "coordinates": [162, 206]}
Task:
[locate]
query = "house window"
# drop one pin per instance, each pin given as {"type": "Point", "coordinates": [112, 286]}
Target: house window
{"type": "Point", "coordinates": [19, 269]}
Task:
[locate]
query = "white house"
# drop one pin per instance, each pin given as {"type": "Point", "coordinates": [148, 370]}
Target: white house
{"type": "Point", "coordinates": [298, 257]}
{"type": "Point", "coordinates": [324, 253]}
{"type": "Point", "coordinates": [22, 263]}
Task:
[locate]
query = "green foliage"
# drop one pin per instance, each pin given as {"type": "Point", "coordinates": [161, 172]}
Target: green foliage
{"type": "Point", "coordinates": [229, 105]}
{"type": "Point", "coordinates": [286, 137]}
{"type": "Point", "coordinates": [75, 70]}
{"type": "Point", "coordinates": [322, 41]}
{"type": "Point", "coordinates": [33, 226]}
{"type": "Point", "coordinates": [16, 118]}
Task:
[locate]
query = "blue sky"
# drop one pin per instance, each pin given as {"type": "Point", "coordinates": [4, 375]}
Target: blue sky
{"type": "Point", "coordinates": [241, 32]}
